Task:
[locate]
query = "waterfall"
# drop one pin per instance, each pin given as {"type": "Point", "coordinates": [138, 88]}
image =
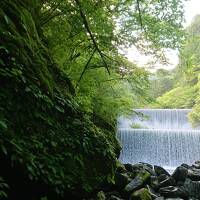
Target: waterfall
{"type": "Point", "coordinates": [163, 137]}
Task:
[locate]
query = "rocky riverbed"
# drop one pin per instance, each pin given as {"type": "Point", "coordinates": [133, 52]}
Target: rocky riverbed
{"type": "Point", "coordinates": [146, 182]}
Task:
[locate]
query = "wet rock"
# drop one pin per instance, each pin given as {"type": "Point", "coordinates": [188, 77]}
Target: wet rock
{"type": "Point", "coordinates": [170, 181]}
{"type": "Point", "coordinates": [186, 166]}
{"type": "Point", "coordinates": [152, 192]}
{"type": "Point", "coordinates": [180, 174]}
{"type": "Point", "coordinates": [194, 174]}
{"type": "Point", "coordinates": [128, 167]}
{"type": "Point", "coordinates": [154, 182]}
{"type": "Point", "coordinates": [142, 194]}
{"type": "Point", "coordinates": [141, 178]}
{"type": "Point", "coordinates": [173, 192]}
{"type": "Point", "coordinates": [121, 180]}
{"type": "Point", "coordinates": [159, 170]}
{"type": "Point", "coordinates": [193, 188]}
{"type": "Point", "coordinates": [162, 177]}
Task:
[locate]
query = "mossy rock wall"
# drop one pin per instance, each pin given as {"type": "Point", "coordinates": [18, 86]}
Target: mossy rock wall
{"type": "Point", "coordinates": [48, 147]}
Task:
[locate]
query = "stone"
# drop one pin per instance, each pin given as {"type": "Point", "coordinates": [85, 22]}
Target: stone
{"type": "Point", "coordinates": [193, 188]}
{"type": "Point", "coordinates": [162, 177]}
{"type": "Point", "coordinates": [137, 183]}
{"type": "Point", "coordinates": [154, 183]}
{"type": "Point", "coordinates": [180, 174]}
{"type": "Point", "coordinates": [185, 165]}
{"type": "Point", "coordinates": [101, 195]}
{"type": "Point", "coordinates": [170, 181]}
{"type": "Point", "coordinates": [128, 167]}
{"type": "Point", "coordinates": [174, 199]}
{"type": "Point", "coordinates": [142, 194]}
{"type": "Point", "coordinates": [152, 192]}
{"type": "Point", "coordinates": [173, 192]}
{"type": "Point", "coordinates": [121, 180]}
{"type": "Point", "coordinates": [194, 174]}
{"type": "Point", "coordinates": [159, 170]}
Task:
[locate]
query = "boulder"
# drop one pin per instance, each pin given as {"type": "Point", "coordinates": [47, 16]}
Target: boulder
{"type": "Point", "coordinates": [194, 174]}
{"type": "Point", "coordinates": [154, 183]}
{"type": "Point", "coordinates": [170, 181]}
{"type": "Point", "coordinates": [159, 170]}
{"type": "Point", "coordinates": [121, 180]}
{"type": "Point", "coordinates": [152, 192]}
{"type": "Point", "coordinates": [137, 183]}
{"type": "Point", "coordinates": [162, 177]}
{"type": "Point", "coordinates": [193, 188]}
{"type": "Point", "coordinates": [128, 167]}
{"type": "Point", "coordinates": [180, 174]}
{"type": "Point", "coordinates": [142, 194]}
{"type": "Point", "coordinates": [174, 192]}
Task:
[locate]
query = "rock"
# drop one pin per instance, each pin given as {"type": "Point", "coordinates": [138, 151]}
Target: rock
{"type": "Point", "coordinates": [170, 181]}
{"type": "Point", "coordinates": [142, 194]}
{"type": "Point", "coordinates": [101, 196]}
{"type": "Point", "coordinates": [159, 170]}
{"type": "Point", "coordinates": [154, 183]}
{"type": "Point", "coordinates": [173, 192]}
{"type": "Point", "coordinates": [174, 199]}
{"type": "Point", "coordinates": [128, 167]}
{"type": "Point", "coordinates": [147, 164]}
{"type": "Point", "coordinates": [153, 194]}
{"type": "Point", "coordinates": [197, 166]}
{"type": "Point", "coordinates": [194, 174]}
{"type": "Point", "coordinates": [137, 183]}
{"type": "Point", "coordinates": [180, 174]}
{"type": "Point", "coordinates": [193, 188]}
{"type": "Point", "coordinates": [185, 165]}
{"type": "Point", "coordinates": [162, 177]}
{"type": "Point", "coordinates": [121, 180]}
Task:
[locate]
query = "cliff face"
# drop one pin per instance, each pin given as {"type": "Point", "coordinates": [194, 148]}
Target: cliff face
{"type": "Point", "coordinates": [48, 147]}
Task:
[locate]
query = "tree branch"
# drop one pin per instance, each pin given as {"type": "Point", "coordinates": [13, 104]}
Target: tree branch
{"type": "Point", "coordinates": [87, 27]}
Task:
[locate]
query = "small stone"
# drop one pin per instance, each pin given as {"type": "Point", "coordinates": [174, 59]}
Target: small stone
{"type": "Point", "coordinates": [170, 181]}
{"type": "Point", "coordinates": [121, 180]}
{"type": "Point", "coordinates": [194, 174]}
{"type": "Point", "coordinates": [159, 170]}
{"type": "Point", "coordinates": [180, 174]}
{"type": "Point", "coordinates": [142, 194]}
{"type": "Point", "coordinates": [173, 192]}
{"type": "Point", "coordinates": [137, 182]}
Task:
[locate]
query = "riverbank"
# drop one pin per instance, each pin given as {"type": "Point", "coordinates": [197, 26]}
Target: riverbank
{"type": "Point", "coordinates": [143, 181]}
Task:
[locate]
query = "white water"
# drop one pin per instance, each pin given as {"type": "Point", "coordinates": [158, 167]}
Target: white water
{"type": "Point", "coordinates": [165, 138]}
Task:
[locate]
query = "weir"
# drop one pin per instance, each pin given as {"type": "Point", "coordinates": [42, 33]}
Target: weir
{"type": "Point", "coordinates": [163, 137]}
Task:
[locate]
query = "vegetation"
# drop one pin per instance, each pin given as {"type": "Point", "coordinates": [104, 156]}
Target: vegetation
{"type": "Point", "coordinates": [63, 84]}
{"type": "Point", "coordinates": [184, 79]}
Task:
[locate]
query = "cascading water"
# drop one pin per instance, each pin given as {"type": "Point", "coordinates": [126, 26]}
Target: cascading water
{"type": "Point", "coordinates": [163, 137]}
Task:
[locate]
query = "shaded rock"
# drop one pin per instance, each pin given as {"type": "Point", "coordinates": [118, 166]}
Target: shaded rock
{"type": "Point", "coordinates": [154, 183]}
{"type": "Point", "coordinates": [121, 180]}
{"type": "Point", "coordinates": [197, 166]}
{"type": "Point", "coordinates": [141, 178]}
{"type": "Point", "coordinates": [173, 199]}
{"type": "Point", "coordinates": [193, 188]}
{"type": "Point", "coordinates": [180, 174]}
{"type": "Point", "coordinates": [159, 170]}
{"type": "Point", "coordinates": [170, 181]}
{"type": "Point", "coordinates": [128, 167]}
{"type": "Point", "coordinates": [186, 166]}
{"type": "Point", "coordinates": [142, 194]}
{"type": "Point", "coordinates": [173, 192]}
{"type": "Point", "coordinates": [101, 196]}
{"type": "Point", "coordinates": [147, 164]}
{"type": "Point", "coordinates": [194, 174]}
{"type": "Point", "coordinates": [162, 177]}
{"type": "Point", "coordinates": [152, 192]}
